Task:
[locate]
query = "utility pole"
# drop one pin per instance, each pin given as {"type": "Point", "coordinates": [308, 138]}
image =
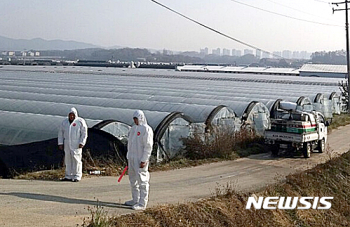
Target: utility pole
{"type": "Point", "coordinates": [347, 42]}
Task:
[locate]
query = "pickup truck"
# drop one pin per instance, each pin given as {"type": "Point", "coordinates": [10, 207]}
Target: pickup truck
{"type": "Point", "coordinates": [297, 130]}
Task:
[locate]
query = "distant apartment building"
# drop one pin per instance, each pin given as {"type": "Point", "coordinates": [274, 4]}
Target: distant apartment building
{"type": "Point", "coordinates": [226, 52]}
{"type": "Point", "coordinates": [258, 53]}
{"type": "Point", "coordinates": [305, 55]}
{"type": "Point", "coordinates": [204, 51]}
{"type": "Point", "coordinates": [216, 51]}
{"type": "Point", "coordinates": [236, 53]}
{"type": "Point", "coordinates": [287, 54]}
{"type": "Point", "coordinates": [248, 51]}
{"type": "Point", "coordinates": [296, 55]}
{"type": "Point", "coordinates": [167, 52]}
{"type": "Point", "coordinates": [233, 52]}
{"type": "Point", "coordinates": [265, 54]}
{"type": "Point", "coordinates": [277, 54]}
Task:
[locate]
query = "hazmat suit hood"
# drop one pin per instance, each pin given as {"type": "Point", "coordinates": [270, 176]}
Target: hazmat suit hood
{"type": "Point", "coordinates": [141, 117]}
{"type": "Point", "coordinates": [74, 111]}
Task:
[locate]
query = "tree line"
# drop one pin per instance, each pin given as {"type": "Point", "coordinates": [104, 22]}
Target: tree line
{"type": "Point", "coordinates": [139, 54]}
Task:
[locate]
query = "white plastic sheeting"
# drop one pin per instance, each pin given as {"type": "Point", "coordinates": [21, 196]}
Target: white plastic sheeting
{"type": "Point", "coordinates": [113, 93]}
{"type": "Point", "coordinates": [117, 129]}
{"type": "Point", "coordinates": [20, 128]}
{"type": "Point", "coordinates": [256, 116]}
{"type": "Point", "coordinates": [323, 104]}
{"type": "Point", "coordinates": [239, 69]}
{"type": "Point", "coordinates": [155, 119]}
{"type": "Point", "coordinates": [170, 143]}
{"type": "Point", "coordinates": [336, 102]}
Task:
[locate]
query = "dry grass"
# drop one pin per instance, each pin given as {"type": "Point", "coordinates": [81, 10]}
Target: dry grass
{"type": "Point", "coordinates": [107, 167]}
{"type": "Point", "coordinates": [227, 208]}
{"type": "Point", "coordinates": [329, 179]}
{"type": "Point", "coordinates": [180, 163]}
{"type": "Point", "coordinates": [98, 217]}
{"type": "Point", "coordinates": [339, 120]}
{"type": "Point", "coordinates": [54, 174]}
{"type": "Point", "coordinates": [223, 144]}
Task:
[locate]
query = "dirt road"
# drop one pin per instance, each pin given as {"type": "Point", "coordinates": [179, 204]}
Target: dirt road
{"type": "Point", "coordinates": [52, 203]}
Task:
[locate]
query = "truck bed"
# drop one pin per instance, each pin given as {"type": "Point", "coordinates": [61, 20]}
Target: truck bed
{"type": "Point", "coordinates": [299, 127]}
{"type": "Point", "coordinates": [291, 137]}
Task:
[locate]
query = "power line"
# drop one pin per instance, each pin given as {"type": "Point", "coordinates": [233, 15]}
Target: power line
{"type": "Point", "coordinates": [298, 10]}
{"type": "Point", "coordinates": [214, 30]}
{"type": "Point", "coordinates": [322, 1]}
{"type": "Point", "coordinates": [279, 14]}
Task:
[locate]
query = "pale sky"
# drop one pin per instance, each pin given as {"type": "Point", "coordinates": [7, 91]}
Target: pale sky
{"type": "Point", "coordinates": [144, 24]}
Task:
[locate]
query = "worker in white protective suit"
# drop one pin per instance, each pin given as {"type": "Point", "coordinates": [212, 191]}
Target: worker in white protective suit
{"type": "Point", "coordinates": [72, 136]}
{"type": "Point", "coordinates": [140, 144]}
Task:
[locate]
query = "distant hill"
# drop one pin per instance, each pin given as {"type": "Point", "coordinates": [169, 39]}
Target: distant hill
{"type": "Point", "coordinates": [115, 47]}
{"type": "Point", "coordinates": [41, 44]}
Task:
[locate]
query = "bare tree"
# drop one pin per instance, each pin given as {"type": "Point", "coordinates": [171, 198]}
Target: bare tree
{"type": "Point", "coordinates": [343, 86]}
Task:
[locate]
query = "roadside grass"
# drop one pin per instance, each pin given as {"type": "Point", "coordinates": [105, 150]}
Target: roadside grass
{"type": "Point", "coordinates": [227, 206]}
{"type": "Point", "coordinates": [99, 217]}
{"type": "Point", "coordinates": [222, 144]}
{"type": "Point", "coordinates": [339, 120]}
{"type": "Point", "coordinates": [226, 145]}
{"type": "Point", "coordinates": [54, 174]}
{"type": "Point", "coordinates": [106, 167]}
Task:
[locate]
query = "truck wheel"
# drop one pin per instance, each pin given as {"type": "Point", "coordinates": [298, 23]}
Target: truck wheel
{"type": "Point", "coordinates": [307, 150]}
{"type": "Point", "coordinates": [321, 146]}
{"type": "Point", "coordinates": [274, 149]}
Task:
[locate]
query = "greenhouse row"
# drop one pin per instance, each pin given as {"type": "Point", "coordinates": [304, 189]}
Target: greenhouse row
{"type": "Point", "coordinates": [239, 69]}
{"type": "Point", "coordinates": [35, 100]}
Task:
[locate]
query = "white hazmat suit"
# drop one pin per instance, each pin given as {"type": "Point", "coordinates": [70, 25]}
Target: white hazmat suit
{"type": "Point", "coordinates": [140, 144]}
{"type": "Point", "coordinates": [71, 135]}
